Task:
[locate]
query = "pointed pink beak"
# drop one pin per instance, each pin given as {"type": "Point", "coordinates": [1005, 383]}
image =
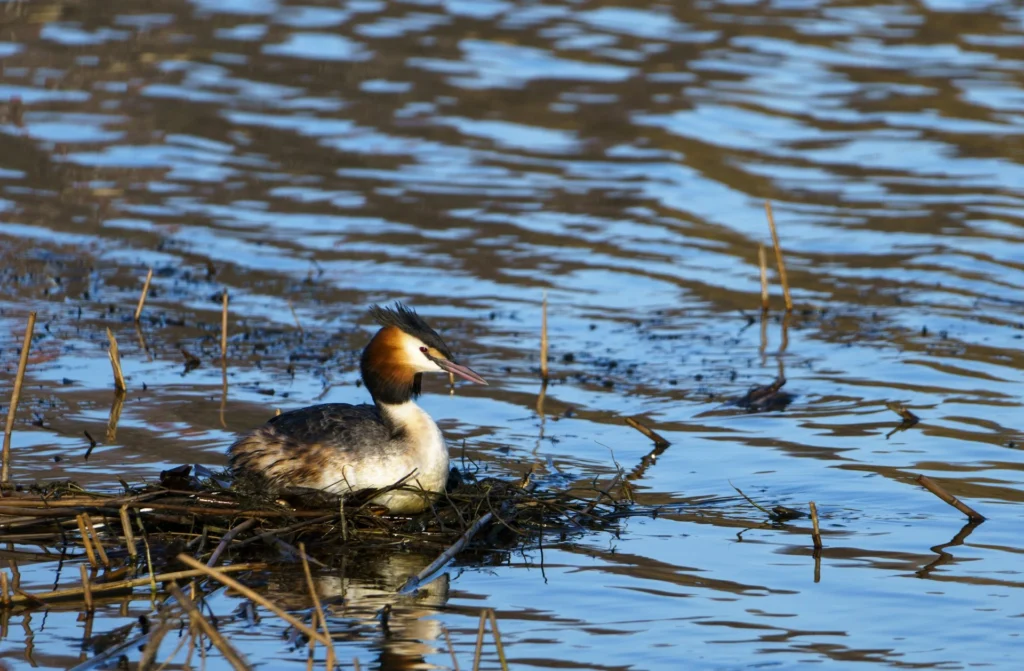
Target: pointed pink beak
{"type": "Point", "coordinates": [462, 371]}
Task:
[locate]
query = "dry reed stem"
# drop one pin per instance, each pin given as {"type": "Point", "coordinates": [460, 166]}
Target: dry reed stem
{"type": "Point", "coordinates": [97, 543]}
{"type": "Point", "coordinates": [86, 588]}
{"type": "Point", "coordinates": [142, 297]}
{"type": "Point", "coordinates": [5, 590]}
{"type": "Point", "coordinates": [816, 534]}
{"type": "Point", "coordinates": [319, 607]}
{"type": "Point", "coordinates": [936, 488]}
{"type": "Point", "coordinates": [355, 663]}
{"type": "Point", "coordinates": [497, 639]}
{"type": "Point", "coordinates": [129, 584]}
{"type": "Point", "coordinates": [86, 541]}
{"type": "Point", "coordinates": [12, 409]}
{"type": "Point", "coordinates": [149, 566]}
{"type": "Point", "coordinates": [129, 537]}
{"type": "Point", "coordinates": [783, 278]}
{"type": "Point", "coordinates": [224, 326]}
{"type": "Point", "coordinates": [763, 262]}
{"type": "Point", "coordinates": [220, 576]}
{"type": "Point", "coordinates": [544, 337]}
{"type": "Point", "coordinates": [115, 363]}
{"type": "Point", "coordinates": [658, 439]}
{"type": "Point", "coordinates": [234, 658]}
{"type": "Point", "coordinates": [479, 641]}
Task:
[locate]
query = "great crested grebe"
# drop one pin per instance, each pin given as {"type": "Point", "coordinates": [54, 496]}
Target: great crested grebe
{"type": "Point", "coordinates": [341, 448]}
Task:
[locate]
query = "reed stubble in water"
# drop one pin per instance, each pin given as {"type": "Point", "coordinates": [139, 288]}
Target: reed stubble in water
{"type": "Point", "coordinates": [816, 533]}
{"type": "Point", "coordinates": [783, 278]}
{"type": "Point", "coordinates": [142, 297]}
{"type": "Point", "coordinates": [5, 469]}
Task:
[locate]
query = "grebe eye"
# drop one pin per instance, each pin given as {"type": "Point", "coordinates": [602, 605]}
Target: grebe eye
{"type": "Point", "coordinates": [424, 350]}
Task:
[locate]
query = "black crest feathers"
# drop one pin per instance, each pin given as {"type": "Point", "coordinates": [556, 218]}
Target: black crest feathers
{"type": "Point", "coordinates": [406, 319]}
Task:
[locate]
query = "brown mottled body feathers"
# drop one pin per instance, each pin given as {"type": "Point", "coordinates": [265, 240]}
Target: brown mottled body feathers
{"type": "Point", "coordinates": [295, 449]}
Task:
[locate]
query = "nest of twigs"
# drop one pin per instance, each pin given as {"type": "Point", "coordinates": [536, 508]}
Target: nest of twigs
{"type": "Point", "coordinates": [201, 513]}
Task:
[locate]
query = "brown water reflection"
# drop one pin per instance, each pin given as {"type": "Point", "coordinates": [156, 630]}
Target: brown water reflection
{"type": "Point", "coordinates": [467, 155]}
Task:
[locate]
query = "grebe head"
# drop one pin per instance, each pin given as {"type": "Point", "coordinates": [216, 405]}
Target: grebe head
{"type": "Point", "coordinates": [401, 352]}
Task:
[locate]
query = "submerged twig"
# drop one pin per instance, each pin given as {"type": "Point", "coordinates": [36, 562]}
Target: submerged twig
{"type": "Point", "coordinates": [415, 581]}
{"type": "Point", "coordinates": [12, 409]}
{"type": "Point", "coordinates": [226, 540]}
{"type": "Point", "coordinates": [219, 575]}
{"type": "Point", "coordinates": [544, 337]}
{"type": "Point", "coordinates": [936, 488]}
{"type": "Point", "coordinates": [224, 326]}
{"type": "Point", "coordinates": [763, 262]}
{"type": "Point", "coordinates": [319, 607]}
{"type": "Point", "coordinates": [234, 658]}
{"type": "Point", "coordinates": [783, 279]}
{"type": "Point", "coordinates": [658, 439]}
{"type": "Point", "coordinates": [142, 297]}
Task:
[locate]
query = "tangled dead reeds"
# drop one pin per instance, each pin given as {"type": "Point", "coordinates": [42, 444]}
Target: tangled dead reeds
{"type": "Point", "coordinates": [141, 530]}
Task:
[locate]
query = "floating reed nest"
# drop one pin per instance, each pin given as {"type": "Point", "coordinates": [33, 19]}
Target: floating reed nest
{"type": "Point", "coordinates": [143, 529]}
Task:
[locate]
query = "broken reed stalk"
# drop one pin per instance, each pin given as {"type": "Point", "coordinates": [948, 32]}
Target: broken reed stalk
{"type": "Point", "coordinates": [5, 590]}
{"type": "Point", "coordinates": [763, 262]}
{"type": "Point", "coordinates": [544, 337]}
{"type": "Point", "coordinates": [658, 439]}
{"type": "Point", "coordinates": [936, 488]}
{"type": "Point", "coordinates": [783, 279]}
{"type": "Point", "coordinates": [319, 607]}
{"type": "Point", "coordinates": [224, 327]}
{"type": "Point", "coordinates": [86, 588]}
{"type": "Point", "coordinates": [97, 543]}
{"type": "Point", "coordinates": [129, 584]}
{"type": "Point", "coordinates": [816, 534]}
{"type": "Point", "coordinates": [86, 541]}
{"type": "Point", "coordinates": [221, 577]}
{"type": "Point", "coordinates": [415, 581]}
{"type": "Point", "coordinates": [129, 537]}
{"type": "Point", "coordinates": [234, 658]}
{"type": "Point", "coordinates": [5, 469]}
{"type": "Point", "coordinates": [115, 363]}
{"type": "Point", "coordinates": [142, 297]}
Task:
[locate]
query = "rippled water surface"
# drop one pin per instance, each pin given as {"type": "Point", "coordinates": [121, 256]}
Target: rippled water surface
{"type": "Point", "coordinates": [467, 156]}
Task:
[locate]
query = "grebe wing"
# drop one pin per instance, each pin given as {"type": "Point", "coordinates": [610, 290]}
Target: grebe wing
{"type": "Point", "coordinates": [338, 425]}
